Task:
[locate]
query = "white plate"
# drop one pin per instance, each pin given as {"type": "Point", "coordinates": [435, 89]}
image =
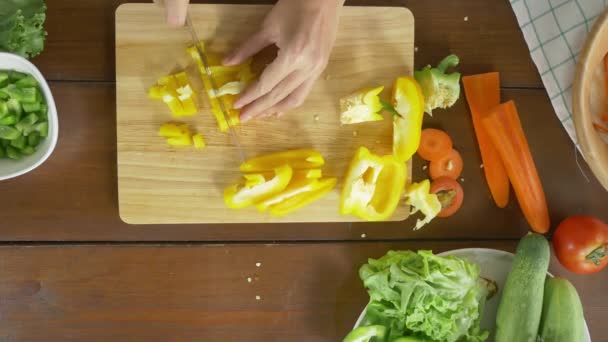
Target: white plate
{"type": "Point", "coordinates": [13, 168]}
{"type": "Point", "coordinates": [493, 264]}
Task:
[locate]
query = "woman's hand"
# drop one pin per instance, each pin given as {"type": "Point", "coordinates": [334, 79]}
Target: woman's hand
{"type": "Point", "coordinates": [304, 31]}
{"type": "Point", "coordinates": [175, 11]}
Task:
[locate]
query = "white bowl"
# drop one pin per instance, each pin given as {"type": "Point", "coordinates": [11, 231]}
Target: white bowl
{"type": "Point", "coordinates": [12, 168]}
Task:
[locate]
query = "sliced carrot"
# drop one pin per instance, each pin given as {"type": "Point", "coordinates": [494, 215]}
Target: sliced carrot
{"type": "Point", "coordinates": [483, 93]}
{"type": "Point", "coordinates": [450, 165]}
{"type": "Point", "coordinates": [600, 127]}
{"type": "Point", "coordinates": [504, 128]}
{"type": "Point", "coordinates": [434, 144]}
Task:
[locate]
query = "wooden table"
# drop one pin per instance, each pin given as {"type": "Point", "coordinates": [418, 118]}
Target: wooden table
{"type": "Point", "coordinates": [70, 269]}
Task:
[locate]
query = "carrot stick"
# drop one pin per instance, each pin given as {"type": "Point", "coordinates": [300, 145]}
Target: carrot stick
{"type": "Point", "coordinates": [505, 131]}
{"type": "Point", "coordinates": [483, 93]}
{"type": "Point", "coordinates": [600, 127]}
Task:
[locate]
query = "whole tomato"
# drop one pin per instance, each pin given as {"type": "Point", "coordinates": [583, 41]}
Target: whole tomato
{"type": "Point", "coordinates": [581, 244]}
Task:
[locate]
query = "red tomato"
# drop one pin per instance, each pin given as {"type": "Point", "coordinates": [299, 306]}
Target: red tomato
{"type": "Point", "coordinates": [581, 244]}
{"type": "Point", "coordinates": [450, 195]}
{"type": "Point", "coordinates": [450, 165]}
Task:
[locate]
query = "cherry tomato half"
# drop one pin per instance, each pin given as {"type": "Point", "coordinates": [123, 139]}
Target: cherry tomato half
{"type": "Point", "coordinates": [450, 165]}
{"type": "Point", "coordinates": [450, 195]}
{"type": "Point", "coordinates": [581, 244]}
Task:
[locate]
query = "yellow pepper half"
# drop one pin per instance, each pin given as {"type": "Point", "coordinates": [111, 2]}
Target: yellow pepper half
{"type": "Point", "coordinates": [244, 194]}
{"type": "Point", "coordinates": [418, 196]}
{"type": "Point", "coordinates": [177, 93]}
{"type": "Point", "coordinates": [297, 159]}
{"type": "Point", "coordinates": [373, 186]}
{"type": "Point", "coordinates": [408, 101]}
{"type": "Point", "coordinates": [361, 106]}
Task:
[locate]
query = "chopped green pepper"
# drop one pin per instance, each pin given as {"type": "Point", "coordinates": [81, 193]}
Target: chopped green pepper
{"type": "Point", "coordinates": [2, 152]}
{"type": "Point", "coordinates": [9, 133]}
{"type": "Point", "coordinates": [27, 81]}
{"type": "Point", "coordinates": [33, 139]}
{"type": "Point", "coordinates": [440, 90]}
{"type": "Point", "coordinates": [12, 153]}
{"type": "Point", "coordinates": [16, 75]}
{"type": "Point", "coordinates": [4, 142]}
{"type": "Point", "coordinates": [28, 150]}
{"type": "Point", "coordinates": [3, 79]}
{"type": "Point", "coordinates": [366, 334]}
{"type": "Point", "coordinates": [8, 120]}
{"type": "Point", "coordinates": [3, 108]}
{"type": "Point", "coordinates": [19, 142]}
{"type": "Point", "coordinates": [43, 128]}
{"type": "Point", "coordinates": [31, 107]}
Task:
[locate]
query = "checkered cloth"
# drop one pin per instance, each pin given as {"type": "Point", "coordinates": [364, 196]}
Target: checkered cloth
{"type": "Point", "coordinates": [555, 31]}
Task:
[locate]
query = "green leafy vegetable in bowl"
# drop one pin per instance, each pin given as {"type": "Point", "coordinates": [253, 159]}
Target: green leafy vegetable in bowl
{"type": "Point", "coordinates": [23, 115]}
{"type": "Point", "coordinates": [22, 27]}
{"type": "Point", "coordinates": [418, 296]}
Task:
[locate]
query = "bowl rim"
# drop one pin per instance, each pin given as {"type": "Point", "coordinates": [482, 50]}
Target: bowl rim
{"type": "Point", "coordinates": [52, 112]}
{"type": "Point", "coordinates": [592, 146]}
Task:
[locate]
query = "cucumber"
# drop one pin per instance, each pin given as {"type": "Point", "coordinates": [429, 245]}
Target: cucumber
{"type": "Point", "coordinates": [562, 319]}
{"type": "Point", "coordinates": [521, 304]}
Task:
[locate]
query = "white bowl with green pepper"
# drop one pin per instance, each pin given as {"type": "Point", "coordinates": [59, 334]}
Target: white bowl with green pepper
{"type": "Point", "coordinates": [28, 117]}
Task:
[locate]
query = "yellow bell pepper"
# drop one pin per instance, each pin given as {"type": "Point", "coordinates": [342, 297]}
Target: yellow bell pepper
{"type": "Point", "coordinates": [241, 195]}
{"type": "Point", "coordinates": [297, 197]}
{"type": "Point", "coordinates": [171, 130]}
{"type": "Point", "coordinates": [184, 140]}
{"type": "Point", "coordinates": [373, 186]}
{"type": "Point", "coordinates": [297, 159]}
{"type": "Point", "coordinates": [361, 106]}
{"type": "Point", "coordinates": [177, 93]}
{"type": "Point", "coordinates": [418, 196]}
{"type": "Point", "coordinates": [231, 80]}
{"type": "Point", "coordinates": [408, 101]}
{"type": "Point", "coordinates": [302, 181]}
{"type": "Point", "coordinates": [199, 141]}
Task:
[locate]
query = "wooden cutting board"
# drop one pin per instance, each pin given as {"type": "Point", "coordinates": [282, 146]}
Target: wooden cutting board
{"type": "Point", "coordinates": [162, 184]}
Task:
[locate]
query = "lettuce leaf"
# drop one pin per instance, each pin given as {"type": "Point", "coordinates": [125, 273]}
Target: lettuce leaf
{"type": "Point", "coordinates": [421, 294]}
{"type": "Point", "coordinates": [22, 27]}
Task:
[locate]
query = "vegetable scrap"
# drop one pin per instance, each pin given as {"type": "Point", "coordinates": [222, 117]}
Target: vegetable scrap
{"type": "Point", "coordinates": [420, 198]}
{"type": "Point", "coordinates": [280, 183]}
{"type": "Point", "coordinates": [372, 186]}
{"type": "Point", "coordinates": [361, 106]}
{"type": "Point", "coordinates": [177, 93]}
{"type": "Point", "coordinates": [440, 90]}
{"type": "Point", "coordinates": [22, 27]}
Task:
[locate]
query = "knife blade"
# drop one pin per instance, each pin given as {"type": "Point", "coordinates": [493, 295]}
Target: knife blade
{"type": "Point", "coordinates": [233, 134]}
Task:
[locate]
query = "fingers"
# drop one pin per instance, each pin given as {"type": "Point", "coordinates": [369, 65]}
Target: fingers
{"type": "Point", "coordinates": [293, 100]}
{"type": "Point", "coordinates": [261, 105]}
{"type": "Point", "coordinates": [176, 12]}
{"type": "Point", "coordinates": [250, 47]}
{"type": "Point", "coordinates": [277, 71]}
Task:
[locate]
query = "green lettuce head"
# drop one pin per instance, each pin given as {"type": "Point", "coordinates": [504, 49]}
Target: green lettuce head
{"type": "Point", "coordinates": [424, 295]}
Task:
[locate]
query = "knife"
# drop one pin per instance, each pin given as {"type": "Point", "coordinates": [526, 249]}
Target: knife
{"type": "Point", "coordinates": [235, 137]}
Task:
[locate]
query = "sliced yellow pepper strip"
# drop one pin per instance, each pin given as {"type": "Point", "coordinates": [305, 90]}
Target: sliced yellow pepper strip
{"type": "Point", "coordinates": [174, 105]}
{"type": "Point", "coordinates": [183, 140]}
{"type": "Point", "coordinates": [297, 159]}
{"type": "Point", "coordinates": [240, 195]}
{"type": "Point", "coordinates": [316, 190]}
{"type": "Point", "coordinates": [170, 130]}
{"type": "Point", "coordinates": [199, 141]}
{"type": "Point", "coordinates": [157, 91]}
{"type": "Point", "coordinates": [361, 106]}
{"type": "Point", "coordinates": [408, 101]}
{"type": "Point", "coordinates": [418, 196]}
{"type": "Point", "coordinates": [373, 186]}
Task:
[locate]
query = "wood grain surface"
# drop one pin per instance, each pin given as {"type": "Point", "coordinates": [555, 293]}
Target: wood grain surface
{"type": "Point", "coordinates": [161, 184]}
{"type": "Point", "coordinates": [73, 197]}
{"type": "Point", "coordinates": [307, 292]}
